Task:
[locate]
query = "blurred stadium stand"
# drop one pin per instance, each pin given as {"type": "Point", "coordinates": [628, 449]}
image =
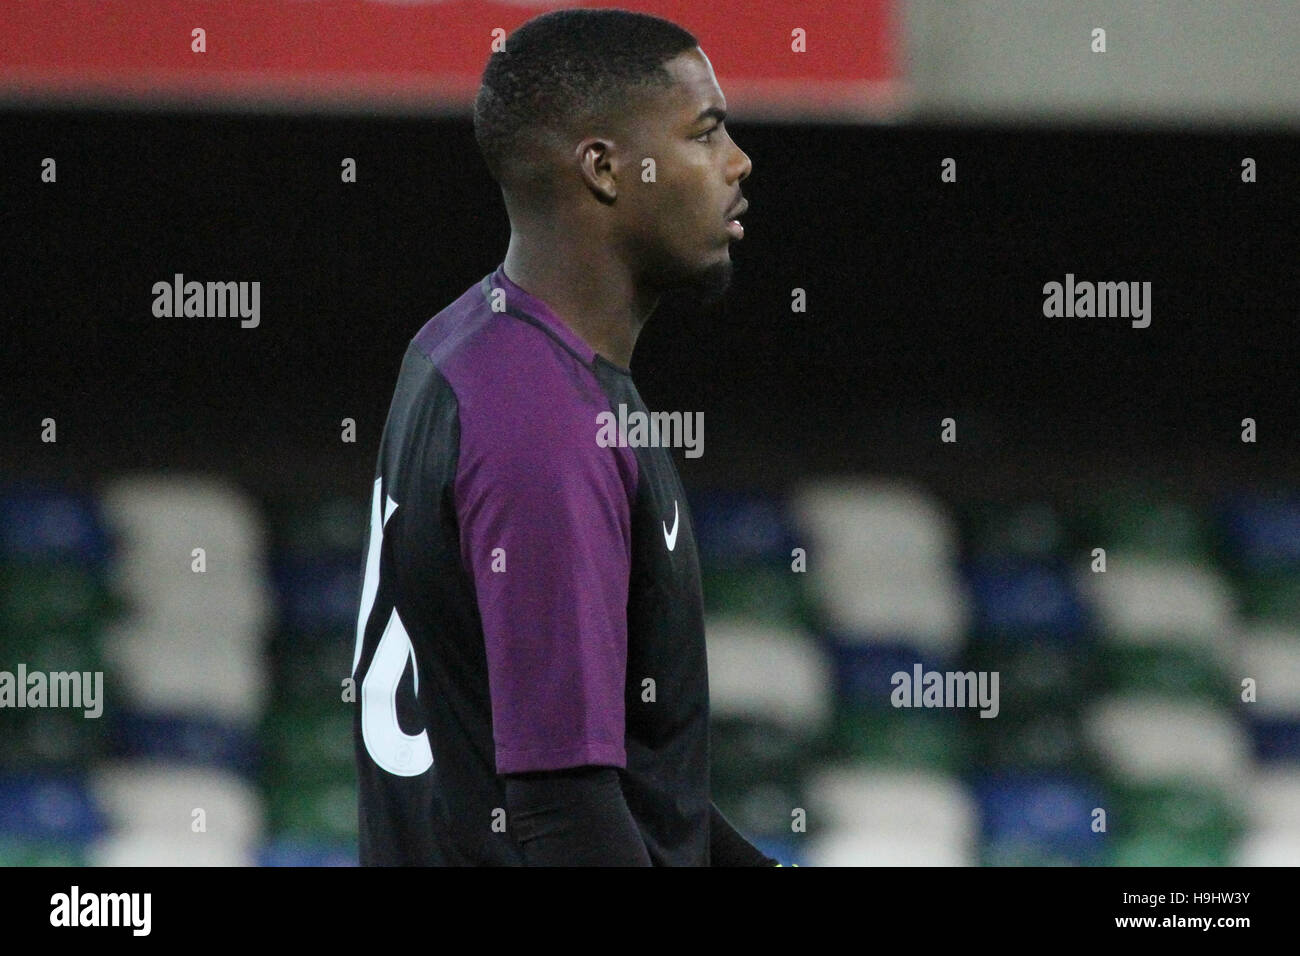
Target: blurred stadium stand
{"type": "Point", "coordinates": [1119, 690]}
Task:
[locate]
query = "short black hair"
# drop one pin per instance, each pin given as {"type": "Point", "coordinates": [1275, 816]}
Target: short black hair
{"type": "Point", "coordinates": [564, 67]}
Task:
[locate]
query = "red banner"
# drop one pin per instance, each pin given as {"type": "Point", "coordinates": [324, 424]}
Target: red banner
{"type": "Point", "coordinates": [420, 54]}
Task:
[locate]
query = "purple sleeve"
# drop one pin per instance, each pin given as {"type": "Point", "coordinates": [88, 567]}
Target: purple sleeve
{"type": "Point", "coordinates": [553, 598]}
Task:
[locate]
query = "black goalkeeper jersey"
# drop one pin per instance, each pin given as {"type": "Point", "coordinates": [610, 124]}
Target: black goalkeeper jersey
{"type": "Point", "coordinates": [531, 598]}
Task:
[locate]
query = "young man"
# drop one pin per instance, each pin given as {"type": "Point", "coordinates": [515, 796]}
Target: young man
{"type": "Point", "coordinates": [530, 646]}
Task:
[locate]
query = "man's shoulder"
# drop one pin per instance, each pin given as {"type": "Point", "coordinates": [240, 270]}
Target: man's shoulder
{"type": "Point", "coordinates": [504, 364]}
{"type": "Point", "coordinates": [454, 328]}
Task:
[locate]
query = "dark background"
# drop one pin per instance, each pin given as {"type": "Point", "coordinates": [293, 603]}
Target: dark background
{"type": "Point", "coordinates": [924, 301]}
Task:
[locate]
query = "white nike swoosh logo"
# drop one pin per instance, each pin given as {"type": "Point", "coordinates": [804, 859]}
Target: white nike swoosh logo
{"type": "Point", "coordinates": [670, 537]}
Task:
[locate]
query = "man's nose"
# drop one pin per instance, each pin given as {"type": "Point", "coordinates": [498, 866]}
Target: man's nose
{"type": "Point", "coordinates": [746, 166]}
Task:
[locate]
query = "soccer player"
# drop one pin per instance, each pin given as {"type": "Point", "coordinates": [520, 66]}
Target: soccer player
{"type": "Point", "coordinates": [530, 645]}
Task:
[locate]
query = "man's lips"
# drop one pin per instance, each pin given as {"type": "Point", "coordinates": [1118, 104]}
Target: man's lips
{"type": "Point", "coordinates": [733, 225]}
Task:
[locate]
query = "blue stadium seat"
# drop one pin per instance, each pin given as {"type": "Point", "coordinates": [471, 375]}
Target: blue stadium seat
{"type": "Point", "coordinates": [1276, 738]}
{"type": "Point", "coordinates": [318, 594]}
{"type": "Point", "coordinates": [739, 530]}
{"type": "Point", "coordinates": [290, 852]}
{"type": "Point", "coordinates": [59, 809]}
{"type": "Point", "coordinates": [1262, 531]}
{"type": "Point", "coordinates": [185, 738]}
{"type": "Point", "coordinates": [1029, 818]}
{"type": "Point", "coordinates": [40, 524]}
{"type": "Point", "coordinates": [1019, 599]}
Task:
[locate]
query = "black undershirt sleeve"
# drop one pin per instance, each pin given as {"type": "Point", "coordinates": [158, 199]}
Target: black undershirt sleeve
{"type": "Point", "coordinates": [575, 817]}
{"type": "Point", "coordinates": [578, 817]}
{"type": "Point", "coordinates": [728, 848]}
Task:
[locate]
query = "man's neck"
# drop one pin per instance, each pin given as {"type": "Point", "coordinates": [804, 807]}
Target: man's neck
{"type": "Point", "coordinates": [593, 294]}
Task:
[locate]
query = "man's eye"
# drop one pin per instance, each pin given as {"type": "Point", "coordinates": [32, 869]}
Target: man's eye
{"type": "Point", "coordinates": [705, 136]}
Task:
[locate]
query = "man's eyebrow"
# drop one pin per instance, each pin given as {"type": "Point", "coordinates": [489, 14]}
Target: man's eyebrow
{"type": "Point", "coordinates": [716, 112]}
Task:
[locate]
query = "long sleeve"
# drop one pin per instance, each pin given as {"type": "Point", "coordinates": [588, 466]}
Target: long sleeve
{"type": "Point", "coordinates": [575, 817]}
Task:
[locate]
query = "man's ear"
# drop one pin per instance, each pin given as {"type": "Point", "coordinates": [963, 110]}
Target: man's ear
{"type": "Point", "coordinates": [598, 162]}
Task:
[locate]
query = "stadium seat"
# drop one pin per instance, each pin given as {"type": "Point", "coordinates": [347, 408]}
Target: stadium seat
{"type": "Point", "coordinates": [1271, 596]}
{"type": "Point", "coordinates": [150, 849]}
{"type": "Point", "coordinates": [1270, 654]}
{"type": "Point", "coordinates": [51, 525]}
{"type": "Point", "coordinates": [1267, 848]}
{"type": "Point", "coordinates": [735, 530]}
{"type": "Point", "coordinates": [1162, 849]}
{"type": "Point", "coordinates": [1272, 798]}
{"type": "Point", "coordinates": [890, 739]}
{"type": "Point", "coordinates": [771, 595]}
{"type": "Point", "coordinates": [55, 808]}
{"type": "Point", "coordinates": [1261, 531]}
{"type": "Point", "coordinates": [1155, 598]}
{"type": "Point", "coordinates": [308, 667]}
{"type": "Point", "coordinates": [892, 526]}
{"type": "Point", "coordinates": [308, 745]}
{"type": "Point", "coordinates": [1144, 520]}
{"type": "Point", "coordinates": [770, 705]}
{"type": "Point", "coordinates": [185, 738]}
{"type": "Point", "coordinates": [1029, 531]}
{"type": "Point", "coordinates": [161, 799]}
{"type": "Point", "coordinates": [852, 848]}
{"type": "Point", "coordinates": [207, 671]}
{"type": "Point", "coordinates": [172, 514]}
{"type": "Point", "coordinates": [1020, 599]}
{"type": "Point", "coordinates": [765, 671]}
{"type": "Point", "coordinates": [318, 593]}
{"type": "Point", "coordinates": [1185, 671]}
{"type": "Point", "coordinates": [52, 740]}
{"type": "Point", "coordinates": [863, 671]}
{"type": "Point", "coordinates": [1040, 819]}
{"type": "Point", "coordinates": [333, 525]}
{"type": "Point", "coordinates": [316, 812]}
{"type": "Point", "coordinates": [290, 852]}
{"type": "Point", "coordinates": [71, 598]}
{"type": "Point", "coordinates": [1146, 739]}
{"type": "Point", "coordinates": [881, 560]}
{"type": "Point", "coordinates": [42, 852]}
{"type": "Point", "coordinates": [885, 811]}
{"type": "Point", "coordinates": [1173, 823]}
{"type": "Point", "coordinates": [1275, 738]}
{"type": "Point", "coordinates": [1042, 740]}
{"type": "Point", "coordinates": [1037, 674]}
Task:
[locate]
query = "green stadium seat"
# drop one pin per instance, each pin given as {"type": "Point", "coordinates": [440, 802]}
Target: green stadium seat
{"type": "Point", "coordinates": [309, 746]}
{"type": "Point", "coordinates": [937, 740]}
{"type": "Point", "coordinates": [325, 811]}
{"type": "Point", "coordinates": [1273, 597]}
{"type": "Point", "coordinates": [769, 595]}
{"type": "Point", "coordinates": [22, 852]}
{"type": "Point", "coordinates": [1030, 530]}
{"type": "Point", "coordinates": [1045, 740]}
{"type": "Point", "coordinates": [64, 597]}
{"type": "Point", "coordinates": [1174, 670]}
{"type": "Point", "coordinates": [1134, 518]}
{"type": "Point", "coordinates": [1180, 811]}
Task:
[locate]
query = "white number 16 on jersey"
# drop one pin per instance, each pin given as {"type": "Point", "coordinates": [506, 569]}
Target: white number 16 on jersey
{"type": "Point", "coordinates": [400, 753]}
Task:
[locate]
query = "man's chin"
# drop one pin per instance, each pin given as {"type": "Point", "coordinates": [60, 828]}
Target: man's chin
{"type": "Point", "coordinates": [703, 288]}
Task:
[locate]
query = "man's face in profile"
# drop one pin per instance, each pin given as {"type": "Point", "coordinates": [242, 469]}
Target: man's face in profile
{"type": "Point", "coordinates": [678, 227]}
